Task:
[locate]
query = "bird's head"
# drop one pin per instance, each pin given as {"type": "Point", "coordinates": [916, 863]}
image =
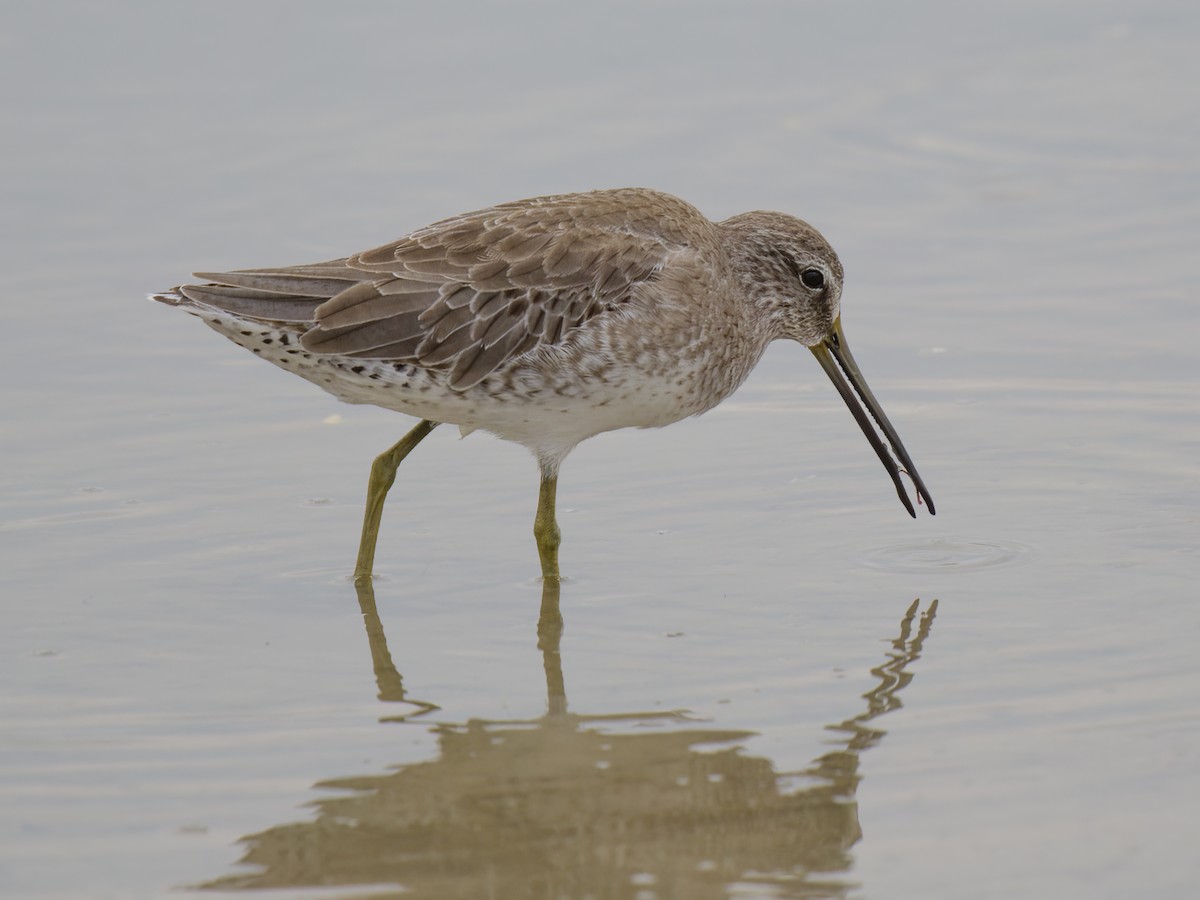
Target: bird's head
{"type": "Point", "coordinates": [787, 270]}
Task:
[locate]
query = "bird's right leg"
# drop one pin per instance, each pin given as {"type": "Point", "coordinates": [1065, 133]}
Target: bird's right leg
{"type": "Point", "coordinates": [383, 475]}
{"type": "Point", "coordinates": [545, 524]}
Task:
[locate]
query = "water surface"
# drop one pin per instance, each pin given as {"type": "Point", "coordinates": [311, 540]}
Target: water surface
{"type": "Point", "coordinates": [734, 695]}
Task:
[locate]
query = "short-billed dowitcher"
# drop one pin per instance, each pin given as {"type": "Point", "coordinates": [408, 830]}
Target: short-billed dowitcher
{"type": "Point", "coordinates": [550, 320]}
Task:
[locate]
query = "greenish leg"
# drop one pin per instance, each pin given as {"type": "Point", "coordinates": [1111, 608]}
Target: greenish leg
{"type": "Point", "coordinates": [545, 526]}
{"type": "Point", "coordinates": [383, 475]}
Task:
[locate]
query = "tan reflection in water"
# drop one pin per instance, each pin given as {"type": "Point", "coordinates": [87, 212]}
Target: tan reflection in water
{"type": "Point", "coordinates": [563, 807]}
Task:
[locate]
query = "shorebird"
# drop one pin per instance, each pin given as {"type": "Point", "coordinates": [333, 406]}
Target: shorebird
{"type": "Point", "coordinates": [550, 320]}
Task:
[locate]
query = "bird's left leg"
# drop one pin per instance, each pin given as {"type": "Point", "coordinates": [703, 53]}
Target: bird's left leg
{"type": "Point", "coordinates": [383, 475]}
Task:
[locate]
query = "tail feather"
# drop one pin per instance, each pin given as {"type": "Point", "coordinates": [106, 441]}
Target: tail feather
{"type": "Point", "coordinates": [286, 296]}
{"type": "Point", "coordinates": [309, 281]}
{"type": "Point", "coordinates": [247, 303]}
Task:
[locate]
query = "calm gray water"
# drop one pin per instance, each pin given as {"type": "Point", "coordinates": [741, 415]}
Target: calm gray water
{"type": "Point", "coordinates": [733, 696]}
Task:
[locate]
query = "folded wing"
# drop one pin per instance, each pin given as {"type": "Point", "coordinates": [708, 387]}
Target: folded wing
{"type": "Point", "coordinates": [469, 294]}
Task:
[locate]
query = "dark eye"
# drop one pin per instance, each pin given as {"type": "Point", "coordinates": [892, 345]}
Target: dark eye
{"type": "Point", "coordinates": [813, 278]}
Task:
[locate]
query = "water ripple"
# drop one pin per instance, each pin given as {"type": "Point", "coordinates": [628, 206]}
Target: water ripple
{"type": "Point", "coordinates": [938, 555]}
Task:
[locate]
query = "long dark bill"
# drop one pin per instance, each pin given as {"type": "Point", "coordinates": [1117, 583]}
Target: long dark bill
{"type": "Point", "coordinates": [854, 390]}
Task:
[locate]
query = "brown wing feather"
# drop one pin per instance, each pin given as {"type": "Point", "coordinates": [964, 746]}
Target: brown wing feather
{"type": "Point", "coordinates": [469, 294]}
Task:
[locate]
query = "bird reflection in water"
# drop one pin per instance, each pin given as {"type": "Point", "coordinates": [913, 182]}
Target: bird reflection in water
{"type": "Point", "coordinates": [571, 805]}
